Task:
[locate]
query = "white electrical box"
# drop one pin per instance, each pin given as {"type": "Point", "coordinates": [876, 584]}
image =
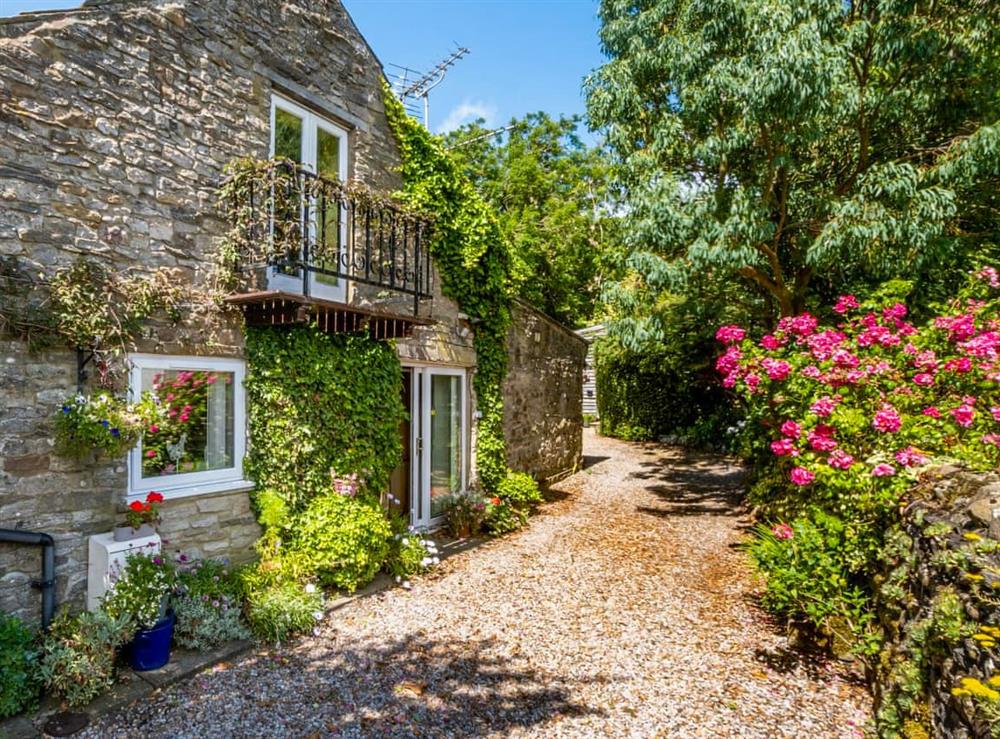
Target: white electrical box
{"type": "Point", "coordinates": [108, 556]}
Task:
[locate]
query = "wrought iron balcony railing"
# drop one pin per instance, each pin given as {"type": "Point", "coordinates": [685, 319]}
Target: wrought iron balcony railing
{"type": "Point", "coordinates": [297, 232]}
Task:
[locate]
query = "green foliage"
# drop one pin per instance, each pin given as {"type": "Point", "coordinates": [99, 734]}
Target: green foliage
{"type": "Point", "coordinates": [553, 203]}
{"type": "Point", "coordinates": [204, 624]}
{"type": "Point", "coordinates": [139, 591]}
{"type": "Point", "coordinates": [278, 607]}
{"type": "Point", "coordinates": [19, 680]}
{"type": "Point", "coordinates": [102, 421]}
{"type": "Point", "coordinates": [473, 258]}
{"type": "Point", "coordinates": [502, 517]}
{"type": "Point", "coordinates": [668, 389]}
{"type": "Point", "coordinates": [800, 146]}
{"type": "Point", "coordinates": [520, 489]}
{"type": "Point", "coordinates": [342, 540]}
{"type": "Point", "coordinates": [318, 404]}
{"type": "Point", "coordinates": [87, 305]}
{"type": "Point", "coordinates": [207, 605]}
{"type": "Point", "coordinates": [78, 655]}
{"type": "Point", "coordinates": [409, 552]}
{"type": "Point", "coordinates": [807, 578]}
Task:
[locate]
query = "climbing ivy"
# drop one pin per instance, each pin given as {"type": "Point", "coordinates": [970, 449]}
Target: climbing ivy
{"type": "Point", "coordinates": [318, 404]}
{"type": "Point", "coordinates": [473, 260]}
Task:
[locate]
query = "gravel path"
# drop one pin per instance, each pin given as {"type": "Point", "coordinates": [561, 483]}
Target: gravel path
{"type": "Point", "coordinates": [625, 609]}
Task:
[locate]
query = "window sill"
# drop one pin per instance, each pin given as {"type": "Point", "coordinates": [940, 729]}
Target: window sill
{"type": "Point", "coordinates": [188, 491]}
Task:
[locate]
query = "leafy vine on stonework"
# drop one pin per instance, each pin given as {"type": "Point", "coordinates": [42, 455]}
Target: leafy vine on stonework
{"type": "Point", "coordinates": [473, 260]}
{"type": "Point", "coordinates": [318, 404]}
{"type": "Point", "coordinates": [87, 305]}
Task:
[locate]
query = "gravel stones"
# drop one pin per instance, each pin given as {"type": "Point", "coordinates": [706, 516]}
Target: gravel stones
{"type": "Point", "coordinates": [626, 608]}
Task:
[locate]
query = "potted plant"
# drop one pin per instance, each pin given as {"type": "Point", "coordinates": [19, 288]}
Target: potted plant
{"type": "Point", "coordinates": [140, 593]}
{"type": "Point", "coordinates": [464, 514]}
{"type": "Point", "coordinates": [140, 518]}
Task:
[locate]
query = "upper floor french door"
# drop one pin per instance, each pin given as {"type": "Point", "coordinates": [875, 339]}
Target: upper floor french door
{"type": "Point", "coordinates": [320, 147]}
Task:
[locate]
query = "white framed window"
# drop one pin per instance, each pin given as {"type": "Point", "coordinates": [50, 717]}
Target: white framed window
{"type": "Point", "coordinates": [320, 146]}
{"type": "Point", "coordinates": [198, 441]}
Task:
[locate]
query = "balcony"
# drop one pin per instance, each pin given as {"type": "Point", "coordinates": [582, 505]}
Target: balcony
{"type": "Point", "coordinates": [306, 248]}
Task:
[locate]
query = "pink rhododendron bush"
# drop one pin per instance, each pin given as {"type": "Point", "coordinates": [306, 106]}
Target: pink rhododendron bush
{"type": "Point", "coordinates": [843, 417]}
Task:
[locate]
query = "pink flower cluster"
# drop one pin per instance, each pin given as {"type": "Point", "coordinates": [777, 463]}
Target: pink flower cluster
{"type": "Point", "coordinates": [920, 392]}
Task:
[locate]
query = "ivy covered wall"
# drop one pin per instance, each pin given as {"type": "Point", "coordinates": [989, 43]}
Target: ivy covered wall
{"type": "Point", "coordinates": [473, 261]}
{"type": "Point", "coordinates": [317, 402]}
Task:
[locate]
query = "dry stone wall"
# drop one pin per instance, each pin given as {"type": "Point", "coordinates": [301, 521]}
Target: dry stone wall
{"type": "Point", "coordinates": [940, 611]}
{"type": "Point", "coordinates": [543, 390]}
{"type": "Point", "coordinates": [116, 123]}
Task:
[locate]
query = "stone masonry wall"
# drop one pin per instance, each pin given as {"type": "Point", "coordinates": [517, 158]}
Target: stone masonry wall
{"type": "Point", "coordinates": [938, 606]}
{"type": "Point", "coordinates": [543, 418]}
{"type": "Point", "coordinates": [117, 120]}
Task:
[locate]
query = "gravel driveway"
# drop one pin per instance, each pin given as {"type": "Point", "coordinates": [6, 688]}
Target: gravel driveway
{"type": "Point", "coordinates": [624, 609]}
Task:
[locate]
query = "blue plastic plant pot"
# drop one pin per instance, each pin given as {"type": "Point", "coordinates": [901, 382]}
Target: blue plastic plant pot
{"type": "Point", "coordinates": [151, 647]}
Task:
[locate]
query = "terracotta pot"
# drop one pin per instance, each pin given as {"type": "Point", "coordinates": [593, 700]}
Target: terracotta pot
{"type": "Point", "coordinates": [127, 533]}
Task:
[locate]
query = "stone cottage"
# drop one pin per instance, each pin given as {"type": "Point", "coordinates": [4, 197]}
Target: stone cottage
{"type": "Point", "coordinates": [117, 122]}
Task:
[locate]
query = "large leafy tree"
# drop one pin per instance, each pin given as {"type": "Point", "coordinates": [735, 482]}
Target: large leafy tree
{"type": "Point", "coordinates": [800, 146]}
{"type": "Point", "coordinates": [551, 194]}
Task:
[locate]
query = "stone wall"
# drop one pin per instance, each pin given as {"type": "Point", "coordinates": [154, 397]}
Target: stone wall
{"type": "Point", "coordinates": [116, 123]}
{"type": "Point", "coordinates": [543, 418]}
{"type": "Point", "coordinates": [940, 612]}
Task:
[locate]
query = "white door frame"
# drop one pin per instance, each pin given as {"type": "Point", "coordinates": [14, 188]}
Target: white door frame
{"type": "Point", "coordinates": [420, 425]}
{"type": "Point", "coordinates": [311, 122]}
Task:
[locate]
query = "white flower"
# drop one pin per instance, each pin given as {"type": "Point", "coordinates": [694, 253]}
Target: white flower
{"type": "Point", "coordinates": [436, 560]}
{"type": "Point", "coordinates": [426, 562]}
{"type": "Point", "coordinates": [318, 615]}
{"type": "Point", "coordinates": [316, 631]}
{"type": "Point", "coordinates": [398, 578]}
{"type": "Point", "coordinates": [406, 584]}
{"type": "Point", "coordinates": [310, 588]}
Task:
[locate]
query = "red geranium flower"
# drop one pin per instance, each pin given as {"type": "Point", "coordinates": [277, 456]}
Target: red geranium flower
{"type": "Point", "coordinates": [154, 497]}
{"type": "Point", "coordinates": [495, 500]}
{"type": "Point", "coordinates": [136, 506]}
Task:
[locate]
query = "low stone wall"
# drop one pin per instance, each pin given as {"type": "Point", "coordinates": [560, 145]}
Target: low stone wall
{"type": "Point", "coordinates": [543, 417]}
{"type": "Point", "coordinates": [940, 607]}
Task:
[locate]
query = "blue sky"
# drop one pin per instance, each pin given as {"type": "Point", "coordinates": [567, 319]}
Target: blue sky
{"type": "Point", "coordinates": [526, 55]}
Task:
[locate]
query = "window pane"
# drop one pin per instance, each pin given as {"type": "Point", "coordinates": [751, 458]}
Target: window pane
{"type": "Point", "coordinates": [328, 213]}
{"type": "Point", "coordinates": [446, 439]}
{"type": "Point", "coordinates": [287, 135]}
{"type": "Point", "coordinates": [327, 154]}
{"type": "Point", "coordinates": [194, 431]}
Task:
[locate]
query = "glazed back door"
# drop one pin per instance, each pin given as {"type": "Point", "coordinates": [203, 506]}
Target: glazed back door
{"type": "Point", "coordinates": [440, 442]}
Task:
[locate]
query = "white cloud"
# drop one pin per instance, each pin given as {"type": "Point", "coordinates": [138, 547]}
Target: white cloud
{"type": "Point", "coordinates": [466, 112]}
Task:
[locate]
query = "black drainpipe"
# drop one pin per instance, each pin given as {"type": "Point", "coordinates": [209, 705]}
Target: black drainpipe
{"type": "Point", "coordinates": [48, 582]}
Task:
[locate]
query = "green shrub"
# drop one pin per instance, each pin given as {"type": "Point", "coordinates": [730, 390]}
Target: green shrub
{"type": "Point", "coordinates": [409, 552]}
{"type": "Point", "coordinates": [204, 623]}
{"type": "Point", "coordinates": [277, 609]}
{"type": "Point", "coordinates": [666, 388]}
{"type": "Point", "coordinates": [78, 655]}
{"type": "Point", "coordinates": [502, 517]}
{"type": "Point", "coordinates": [19, 682]}
{"type": "Point", "coordinates": [207, 605]}
{"type": "Point", "coordinates": [520, 489]}
{"type": "Point", "coordinates": [342, 540]}
{"type": "Point", "coordinates": [807, 578]}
